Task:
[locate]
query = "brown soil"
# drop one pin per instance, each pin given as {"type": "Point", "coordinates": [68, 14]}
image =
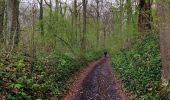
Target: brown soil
{"type": "Point", "coordinates": [96, 82]}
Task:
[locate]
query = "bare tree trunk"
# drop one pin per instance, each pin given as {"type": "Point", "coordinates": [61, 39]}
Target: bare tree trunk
{"type": "Point", "coordinates": [56, 6]}
{"type": "Point", "coordinates": [129, 21]}
{"type": "Point", "coordinates": [164, 23]}
{"type": "Point", "coordinates": [72, 22]}
{"type": "Point", "coordinates": [12, 21]}
{"type": "Point", "coordinates": [33, 33]}
{"type": "Point", "coordinates": [72, 36]}
{"type": "Point", "coordinates": [57, 9]}
{"type": "Point", "coordinates": [104, 35]}
{"type": "Point", "coordinates": [63, 9]}
{"type": "Point", "coordinates": [2, 8]}
{"type": "Point", "coordinates": [41, 17]}
{"type": "Point", "coordinates": [129, 11]}
{"type": "Point", "coordinates": [75, 18]}
{"type": "Point", "coordinates": [121, 15]}
{"type": "Point", "coordinates": [16, 20]}
{"type": "Point", "coordinates": [97, 11]}
{"type": "Point", "coordinates": [50, 13]}
{"type": "Point", "coordinates": [79, 27]}
{"type": "Point", "coordinates": [83, 44]}
{"type": "Point", "coordinates": [145, 16]}
{"type": "Point", "coordinates": [50, 5]}
{"type": "Point", "coordinates": [12, 26]}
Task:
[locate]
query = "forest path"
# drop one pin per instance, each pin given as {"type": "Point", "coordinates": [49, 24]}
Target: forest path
{"type": "Point", "coordinates": [96, 82]}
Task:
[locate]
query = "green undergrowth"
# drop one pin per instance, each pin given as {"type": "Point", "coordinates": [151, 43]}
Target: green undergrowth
{"type": "Point", "coordinates": [138, 67]}
{"type": "Point", "coordinates": [22, 78]}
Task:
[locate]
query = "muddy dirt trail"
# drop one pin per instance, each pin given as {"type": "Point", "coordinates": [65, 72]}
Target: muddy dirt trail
{"type": "Point", "coordinates": [96, 82]}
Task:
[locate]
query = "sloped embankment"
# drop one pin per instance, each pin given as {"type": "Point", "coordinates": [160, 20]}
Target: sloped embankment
{"type": "Point", "coordinates": [138, 67]}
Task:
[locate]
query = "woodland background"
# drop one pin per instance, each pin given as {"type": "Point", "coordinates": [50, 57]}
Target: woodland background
{"type": "Point", "coordinates": [45, 42]}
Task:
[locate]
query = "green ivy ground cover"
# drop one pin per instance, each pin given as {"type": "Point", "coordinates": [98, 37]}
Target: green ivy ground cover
{"type": "Point", "coordinates": [138, 67]}
{"type": "Point", "coordinates": [46, 78]}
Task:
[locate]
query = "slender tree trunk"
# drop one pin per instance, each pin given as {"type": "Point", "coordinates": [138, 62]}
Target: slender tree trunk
{"type": "Point", "coordinates": [164, 23]}
{"type": "Point", "coordinates": [50, 13]}
{"type": "Point", "coordinates": [12, 26]}
{"type": "Point", "coordinates": [83, 44]}
{"type": "Point", "coordinates": [72, 36]}
{"type": "Point", "coordinates": [33, 33]}
{"type": "Point", "coordinates": [41, 17]}
{"type": "Point", "coordinates": [2, 9]}
{"type": "Point", "coordinates": [50, 5]}
{"type": "Point", "coordinates": [129, 21]}
{"type": "Point", "coordinates": [57, 9]}
{"type": "Point", "coordinates": [104, 35]}
{"type": "Point", "coordinates": [121, 15]}
{"type": "Point", "coordinates": [97, 11]}
{"type": "Point", "coordinates": [60, 7]}
{"type": "Point", "coordinates": [56, 6]}
{"type": "Point", "coordinates": [129, 11]}
{"type": "Point", "coordinates": [79, 27]}
{"type": "Point", "coordinates": [63, 9]}
{"type": "Point", "coordinates": [75, 19]}
{"type": "Point", "coordinates": [145, 16]}
{"type": "Point", "coordinates": [16, 20]}
{"type": "Point", "coordinates": [12, 22]}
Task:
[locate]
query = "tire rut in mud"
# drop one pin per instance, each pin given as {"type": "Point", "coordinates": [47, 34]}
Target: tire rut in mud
{"type": "Point", "coordinates": [98, 85]}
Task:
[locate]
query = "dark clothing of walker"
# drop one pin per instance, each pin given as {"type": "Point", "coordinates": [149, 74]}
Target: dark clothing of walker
{"type": "Point", "coordinates": [105, 54]}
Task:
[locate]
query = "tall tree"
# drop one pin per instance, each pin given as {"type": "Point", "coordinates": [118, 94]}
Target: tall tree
{"type": "Point", "coordinates": [75, 17]}
{"type": "Point", "coordinates": [129, 11]}
{"type": "Point", "coordinates": [33, 32]}
{"type": "Point", "coordinates": [63, 8]}
{"type": "Point", "coordinates": [83, 42]}
{"type": "Point", "coordinates": [164, 23]}
{"type": "Point", "coordinates": [49, 4]}
{"type": "Point", "coordinates": [2, 8]}
{"type": "Point", "coordinates": [122, 15]}
{"type": "Point", "coordinates": [97, 17]}
{"type": "Point", "coordinates": [41, 16]}
{"type": "Point", "coordinates": [12, 35]}
{"type": "Point", "coordinates": [145, 16]}
{"type": "Point", "coordinates": [129, 21]}
{"type": "Point", "coordinates": [57, 6]}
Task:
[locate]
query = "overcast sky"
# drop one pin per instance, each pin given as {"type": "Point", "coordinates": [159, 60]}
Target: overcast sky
{"type": "Point", "coordinates": [68, 1]}
{"type": "Point", "coordinates": [26, 3]}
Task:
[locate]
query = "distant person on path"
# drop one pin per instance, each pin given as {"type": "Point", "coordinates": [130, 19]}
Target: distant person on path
{"type": "Point", "coordinates": [105, 54]}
